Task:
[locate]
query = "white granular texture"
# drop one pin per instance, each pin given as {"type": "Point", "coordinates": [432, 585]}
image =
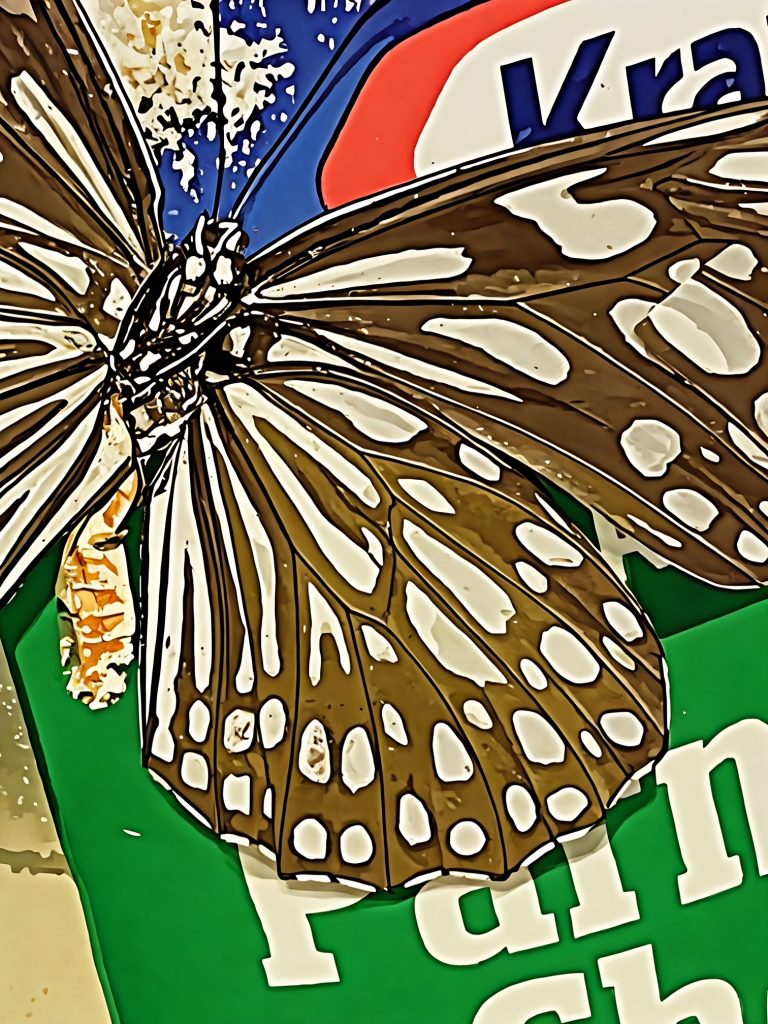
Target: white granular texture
{"type": "Point", "coordinates": [164, 54]}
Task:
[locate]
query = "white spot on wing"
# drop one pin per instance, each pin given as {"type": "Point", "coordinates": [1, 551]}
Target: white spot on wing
{"type": "Point", "coordinates": [520, 807]}
{"type": "Point", "coordinates": [567, 804]}
{"type": "Point", "coordinates": [622, 728]}
{"type": "Point", "coordinates": [752, 548]}
{"type": "Point", "coordinates": [199, 721]}
{"type": "Point", "coordinates": [623, 620]}
{"type": "Point", "coordinates": [393, 724]}
{"type": "Point", "coordinates": [479, 463]}
{"type": "Point", "coordinates": [413, 820]}
{"type": "Point", "coordinates": [310, 839]}
{"type": "Point", "coordinates": [736, 261]}
{"type": "Point", "coordinates": [533, 674]}
{"type": "Point", "coordinates": [590, 231]}
{"type": "Point", "coordinates": [194, 770]}
{"type": "Point", "coordinates": [427, 496]}
{"type": "Point", "coordinates": [358, 768]}
{"type": "Point", "coordinates": [540, 741]}
{"type": "Point", "coordinates": [590, 744]}
{"type": "Point", "coordinates": [379, 648]}
{"type": "Point", "coordinates": [650, 446]}
{"type": "Point", "coordinates": [618, 654]}
{"type": "Point", "coordinates": [547, 546]}
{"type": "Point", "coordinates": [272, 722]}
{"type": "Point", "coordinates": [683, 270]}
{"type": "Point", "coordinates": [477, 714]}
{"type": "Point", "coordinates": [314, 756]}
{"type": "Point", "coordinates": [356, 845]}
{"type": "Point", "coordinates": [532, 577]}
{"type": "Point", "coordinates": [745, 165]}
{"type": "Point", "coordinates": [236, 793]}
{"type": "Point", "coordinates": [466, 838]}
{"type": "Point", "coordinates": [568, 655]}
{"type": "Point", "coordinates": [690, 507]}
{"type": "Point", "coordinates": [450, 756]}
{"type": "Point", "coordinates": [117, 299]}
{"type": "Point", "coordinates": [510, 343]}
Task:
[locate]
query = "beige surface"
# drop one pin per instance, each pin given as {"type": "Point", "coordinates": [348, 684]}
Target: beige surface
{"type": "Point", "coordinates": [47, 974]}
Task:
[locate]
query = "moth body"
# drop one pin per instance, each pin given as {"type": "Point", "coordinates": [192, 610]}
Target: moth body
{"type": "Point", "coordinates": [175, 319]}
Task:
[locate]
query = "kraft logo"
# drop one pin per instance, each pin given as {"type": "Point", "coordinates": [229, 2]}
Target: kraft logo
{"type": "Point", "coordinates": [648, 82]}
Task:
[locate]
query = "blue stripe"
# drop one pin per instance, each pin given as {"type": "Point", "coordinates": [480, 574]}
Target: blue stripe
{"type": "Point", "coordinates": [284, 192]}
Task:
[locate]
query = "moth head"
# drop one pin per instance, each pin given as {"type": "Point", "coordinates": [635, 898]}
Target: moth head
{"type": "Point", "coordinates": [213, 250]}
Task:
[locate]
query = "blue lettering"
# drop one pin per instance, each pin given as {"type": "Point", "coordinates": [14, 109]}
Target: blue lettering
{"type": "Point", "coordinates": [522, 96]}
{"type": "Point", "coordinates": [747, 78]}
{"type": "Point", "coordinates": [648, 87]}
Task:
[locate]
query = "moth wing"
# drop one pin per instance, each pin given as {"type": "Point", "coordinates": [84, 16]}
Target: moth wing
{"type": "Point", "coordinates": [375, 650]}
{"type": "Point", "coordinates": [593, 309]}
{"type": "Point", "coordinates": [64, 448]}
{"type": "Point", "coordinates": [78, 232]}
{"type": "Point", "coordinates": [78, 195]}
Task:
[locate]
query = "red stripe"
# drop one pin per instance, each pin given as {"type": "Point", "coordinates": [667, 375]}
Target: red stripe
{"type": "Point", "coordinates": [375, 146]}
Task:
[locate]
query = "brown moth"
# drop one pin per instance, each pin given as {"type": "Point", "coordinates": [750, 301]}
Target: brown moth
{"type": "Point", "coordinates": [367, 640]}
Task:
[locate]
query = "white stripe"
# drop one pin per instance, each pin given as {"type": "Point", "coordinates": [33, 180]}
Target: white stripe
{"type": "Point", "coordinates": [376, 418]}
{"type": "Point", "coordinates": [452, 648]}
{"type": "Point", "coordinates": [185, 536]}
{"type": "Point", "coordinates": [157, 605]}
{"type": "Point", "coordinates": [356, 564]}
{"type": "Point", "coordinates": [435, 264]}
{"type": "Point", "coordinates": [113, 453]}
{"type": "Point", "coordinates": [74, 396]}
{"type": "Point", "coordinates": [423, 371]}
{"type": "Point", "coordinates": [63, 138]}
{"type": "Point", "coordinates": [482, 597]}
{"type": "Point", "coordinates": [324, 620]}
{"type": "Point", "coordinates": [12, 279]}
{"type": "Point", "coordinates": [245, 675]}
{"type": "Point", "coordinates": [253, 402]}
{"type": "Point", "coordinates": [263, 562]}
{"type": "Point", "coordinates": [71, 269]}
{"type": "Point", "coordinates": [19, 217]}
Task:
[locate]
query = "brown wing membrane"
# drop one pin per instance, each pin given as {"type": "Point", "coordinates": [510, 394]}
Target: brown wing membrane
{"type": "Point", "coordinates": [63, 449]}
{"type": "Point", "coordinates": [78, 198]}
{"type": "Point", "coordinates": [595, 309]}
{"type": "Point", "coordinates": [78, 232]}
{"type": "Point", "coordinates": [375, 650]}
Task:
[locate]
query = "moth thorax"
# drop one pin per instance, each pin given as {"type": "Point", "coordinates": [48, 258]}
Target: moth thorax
{"type": "Point", "coordinates": [180, 311]}
{"type": "Point", "coordinates": [162, 415]}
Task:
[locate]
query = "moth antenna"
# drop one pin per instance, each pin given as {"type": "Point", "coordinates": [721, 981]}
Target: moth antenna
{"type": "Point", "coordinates": [218, 96]}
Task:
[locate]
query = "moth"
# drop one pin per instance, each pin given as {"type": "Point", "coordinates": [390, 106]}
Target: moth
{"type": "Point", "coordinates": [368, 642]}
